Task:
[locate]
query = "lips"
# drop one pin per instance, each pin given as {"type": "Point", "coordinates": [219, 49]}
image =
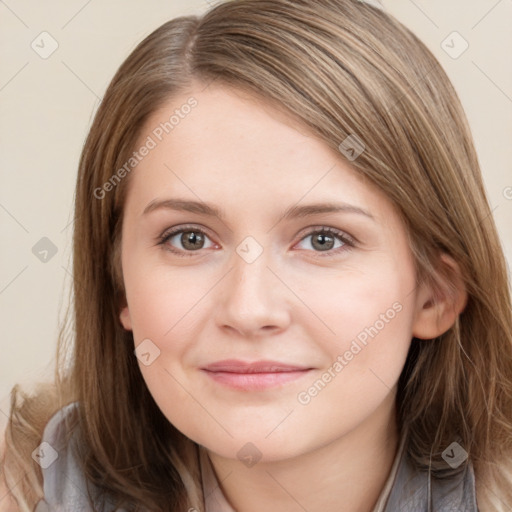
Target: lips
{"type": "Point", "coordinates": [237, 366]}
{"type": "Point", "coordinates": [255, 376]}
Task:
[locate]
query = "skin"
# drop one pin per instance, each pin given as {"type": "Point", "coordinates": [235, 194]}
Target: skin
{"type": "Point", "coordinates": [294, 303]}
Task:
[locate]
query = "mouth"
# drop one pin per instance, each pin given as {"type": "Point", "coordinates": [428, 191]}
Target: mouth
{"type": "Point", "coordinates": [255, 376]}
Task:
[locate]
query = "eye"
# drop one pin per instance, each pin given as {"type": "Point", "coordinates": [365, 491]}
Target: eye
{"type": "Point", "coordinates": [323, 239]}
{"type": "Point", "coordinates": [190, 238]}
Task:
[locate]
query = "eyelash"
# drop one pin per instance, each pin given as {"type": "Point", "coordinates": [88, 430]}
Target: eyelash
{"type": "Point", "coordinates": [348, 241]}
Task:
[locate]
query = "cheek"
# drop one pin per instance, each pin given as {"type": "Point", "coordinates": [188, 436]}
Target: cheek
{"type": "Point", "coordinates": [366, 331]}
{"type": "Point", "coordinates": [361, 305]}
{"type": "Point", "coordinates": [166, 309]}
{"type": "Point", "coordinates": [372, 321]}
{"type": "Point", "coordinates": [164, 302]}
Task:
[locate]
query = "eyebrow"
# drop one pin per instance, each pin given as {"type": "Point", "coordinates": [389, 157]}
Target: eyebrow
{"type": "Point", "coordinates": [296, 211]}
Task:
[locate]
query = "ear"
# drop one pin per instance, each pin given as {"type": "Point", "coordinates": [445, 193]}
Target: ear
{"type": "Point", "coordinates": [124, 317]}
{"type": "Point", "coordinates": [438, 306]}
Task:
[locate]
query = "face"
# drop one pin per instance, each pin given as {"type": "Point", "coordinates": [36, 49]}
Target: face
{"type": "Point", "coordinates": [323, 299]}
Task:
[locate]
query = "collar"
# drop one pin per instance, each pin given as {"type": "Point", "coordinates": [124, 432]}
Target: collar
{"type": "Point", "coordinates": [407, 489]}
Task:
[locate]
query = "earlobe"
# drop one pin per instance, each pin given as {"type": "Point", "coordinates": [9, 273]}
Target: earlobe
{"type": "Point", "coordinates": [124, 317]}
{"type": "Point", "coordinates": [438, 306]}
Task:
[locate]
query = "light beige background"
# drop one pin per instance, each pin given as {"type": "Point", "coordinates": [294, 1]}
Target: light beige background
{"type": "Point", "coordinates": [47, 105]}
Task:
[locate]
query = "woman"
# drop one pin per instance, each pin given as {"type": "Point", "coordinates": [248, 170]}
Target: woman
{"type": "Point", "coordinates": [254, 371]}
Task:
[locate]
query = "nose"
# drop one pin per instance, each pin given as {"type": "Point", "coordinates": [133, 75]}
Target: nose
{"type": "Point", "coordinates": [253, 300]}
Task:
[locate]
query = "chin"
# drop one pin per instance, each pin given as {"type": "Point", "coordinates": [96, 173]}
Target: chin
{"type": "Point", "coordinates": [255, 447]}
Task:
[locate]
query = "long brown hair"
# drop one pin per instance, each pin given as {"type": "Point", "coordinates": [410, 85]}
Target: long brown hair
{"type": "Point", "coordinates": [341, 67]}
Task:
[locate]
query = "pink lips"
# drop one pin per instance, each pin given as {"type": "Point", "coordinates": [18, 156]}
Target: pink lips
{"type": "Point", "coordinates": [254, 376]}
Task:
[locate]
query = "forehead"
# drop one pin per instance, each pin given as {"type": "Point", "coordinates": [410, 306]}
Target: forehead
{"type": "Point", "coordinates": [232, 145]}
{"type": "Point", "coordinates": [227, 121]}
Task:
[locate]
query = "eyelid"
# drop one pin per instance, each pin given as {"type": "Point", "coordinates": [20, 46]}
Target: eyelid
{"type": "Point", "coordinates": [310, 230]}
{"type": "Point", "coordinates": [184, 227]}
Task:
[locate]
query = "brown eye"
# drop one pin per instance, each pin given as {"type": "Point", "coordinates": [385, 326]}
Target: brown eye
{"type": "Point", "coordinates": [328, 240]}
{"type": "Point", "coordinates": [192, 240]}
{"type": "Point", "coordinates": [185, 240]}
{"type": "Point", "coordinates": [322, 242]}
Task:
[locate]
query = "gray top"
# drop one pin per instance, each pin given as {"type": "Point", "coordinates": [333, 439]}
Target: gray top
{"type": "Point", "coordinates": [407, 489]}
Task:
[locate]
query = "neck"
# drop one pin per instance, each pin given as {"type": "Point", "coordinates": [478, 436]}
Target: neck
{"type": "Point", "coordinates": [346, 475]}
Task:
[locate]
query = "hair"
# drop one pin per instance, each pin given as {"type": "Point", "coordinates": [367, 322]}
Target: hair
{"type": "Point", "coordinates": [341, 68]}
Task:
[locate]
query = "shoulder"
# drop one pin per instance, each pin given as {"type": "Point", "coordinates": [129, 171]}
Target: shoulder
{"type": "Point", "coordinates": [34, 417]}
{"type": "Point", "coordinates": [58, 456]}
{"type": "Point", "coordinates": [417, 488]}
{"type": "Point", "coordinates": [60, 427]}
